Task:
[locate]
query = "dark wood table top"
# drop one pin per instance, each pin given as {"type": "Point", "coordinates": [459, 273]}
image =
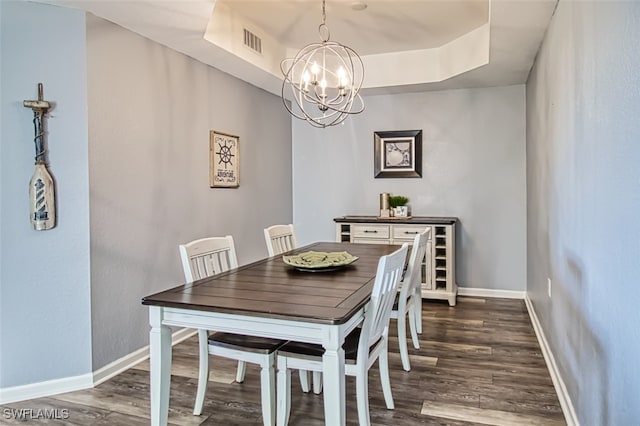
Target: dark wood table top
{"type": "Point", "coordinates": [438, 220]}
{"type": "Point", "coordinates": [270, 288]}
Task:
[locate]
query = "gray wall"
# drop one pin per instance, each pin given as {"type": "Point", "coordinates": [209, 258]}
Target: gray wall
{"type": "Point", "coordinates": [583, 186]}
{"type": "Point", "coordinates": [45, 330]}
{"type": "Point", "coordinates": [150, 113]}
{"type": "Point", "coordinates": [473, 168]}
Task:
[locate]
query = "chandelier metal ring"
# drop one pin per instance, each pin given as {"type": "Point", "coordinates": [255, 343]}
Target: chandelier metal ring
{"type": "Point", "coordinates": [324, 81]}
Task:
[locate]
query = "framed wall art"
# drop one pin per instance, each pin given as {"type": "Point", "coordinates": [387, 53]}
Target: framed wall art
{"type": "Point", "coordinates": [224, 163]}
{"type": "Point", "coordinates": [398, 154]}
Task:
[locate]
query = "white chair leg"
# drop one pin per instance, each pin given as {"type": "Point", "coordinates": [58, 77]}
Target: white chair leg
{"type": "Point", "coordinates": [284, 392]}
{"type": "Point", "coordinates": [267, 389]}
{"type": "Point", "coordinates": [383, 364]}
{"type": "Point", "coordinates": [362, 395]}
{"type": "Point", "coordinates": [242, 368]}
{"type": "Point", "coordinates": [413, 326]}
{"type": "Point", "coordinates": [317, 382]}
{"type": "Point", "coordinates": [419, 313]}
{"type": "Point", "coordinates": [203, 371]}
{"type": "Point", "coordinates": [304, 380]}
{"type": "Point", "coordinates": [402, 340]}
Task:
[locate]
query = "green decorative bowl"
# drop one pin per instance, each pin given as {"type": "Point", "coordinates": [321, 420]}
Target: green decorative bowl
{"type": "Point", "coordinates": [317, 261]}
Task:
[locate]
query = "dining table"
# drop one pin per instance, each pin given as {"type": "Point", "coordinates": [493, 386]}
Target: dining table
{"type": "Point", "coordinates": [270, 298]}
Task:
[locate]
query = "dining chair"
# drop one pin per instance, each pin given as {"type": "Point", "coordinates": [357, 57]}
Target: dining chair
{"type": "Point", "coordinates": [203, 258]}
{"type": "Point", "coordinates": [409, 299]}
{"type": "Point", "coordinates": [280, 239]}
{"type": "Point", "coordinates": [362, 347]}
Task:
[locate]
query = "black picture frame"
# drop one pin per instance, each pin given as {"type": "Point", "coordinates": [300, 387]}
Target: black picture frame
{"type": "Point", "coordinates": [397, 154]}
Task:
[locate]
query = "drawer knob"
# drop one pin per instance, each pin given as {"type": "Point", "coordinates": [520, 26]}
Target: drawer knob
{"type": "Point", "coordinates": [409, 232]}
{"type": "Point", "coordinates": [370, 232]}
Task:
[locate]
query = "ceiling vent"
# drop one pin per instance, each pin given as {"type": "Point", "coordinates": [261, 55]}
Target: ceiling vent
{"type": "Point", "coordinates": [252, 41]}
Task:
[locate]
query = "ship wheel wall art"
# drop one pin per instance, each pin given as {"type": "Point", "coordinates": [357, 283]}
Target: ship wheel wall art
{"type": "Point", "coordinates": [224, 154]}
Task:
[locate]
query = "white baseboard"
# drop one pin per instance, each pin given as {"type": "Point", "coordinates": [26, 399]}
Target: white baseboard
{"type": "Point", "coordinates": [84, 381]}
{"type": "Point", "coordinates": [563, 396]}
{"type": "Point", "coordinates": [488, 292]}
{"type": "Point", "coordinates": [126, 362]}
{"type": "Point", "coordinates": [47, 388]}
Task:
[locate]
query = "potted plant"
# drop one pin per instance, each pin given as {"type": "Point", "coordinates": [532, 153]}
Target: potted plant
{"type": "Point", "coordinates": [398, 205]}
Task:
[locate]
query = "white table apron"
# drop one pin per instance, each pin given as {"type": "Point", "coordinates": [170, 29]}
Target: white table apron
{"type": "Point", "coordinates": [330, 336]}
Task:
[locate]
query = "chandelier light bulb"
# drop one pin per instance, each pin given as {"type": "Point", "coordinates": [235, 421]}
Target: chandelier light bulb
{"type": "Point", "coordinates": [306, 79]}
{"type": "Point", "coordinates": [315, 69]}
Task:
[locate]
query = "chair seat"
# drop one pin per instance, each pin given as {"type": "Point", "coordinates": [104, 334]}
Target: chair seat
{"type": "Point", "coordinates": [245, 343]}
{"type": "Point", "coordinates": [350, 347]}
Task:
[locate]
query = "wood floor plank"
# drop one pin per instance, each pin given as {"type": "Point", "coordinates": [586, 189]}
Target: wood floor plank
{"type": "Point", "coordinates": [97, 398]}
{"type": "Point", "coordinates": [483, 416]}
{"type": "Point", "coordinates": [456, 374]}
{"type": "Point", "coordinates": [464, 299]}
{"type": "Point", "coordinates": [219, 374]}
{"type": "Point", "coordinates": [435, 321]}
{"type": "Point", "coordinates": [505, 401]}
{"type": "Point", "coordinates": [137, 407]}
{"type": "Point", "coordinates": [447, 347]}
{"type": "Point", "coordinates": [415, 359]}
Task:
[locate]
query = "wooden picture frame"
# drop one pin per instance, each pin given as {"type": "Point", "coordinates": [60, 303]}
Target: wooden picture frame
{"type": "Point", "coordinates": [224, 160]}
{"type": "Point", "coordinates": [398, 154]}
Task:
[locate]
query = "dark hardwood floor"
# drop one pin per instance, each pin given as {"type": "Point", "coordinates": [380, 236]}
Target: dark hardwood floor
{"type": "Point", "coordinates": [479, 363]}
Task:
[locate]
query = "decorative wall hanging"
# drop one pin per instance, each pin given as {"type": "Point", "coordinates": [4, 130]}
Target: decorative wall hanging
{"type": "Point", "coordinates": [398, 154]}
{"type": "Point", "coordinates": [224, 154]}
{"type": "Point", "coordinates": [41, 187]}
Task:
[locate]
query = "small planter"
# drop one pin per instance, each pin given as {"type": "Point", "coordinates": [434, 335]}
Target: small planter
{"type": "Point", "coordinates": [398, 206]}
{"type": "Point", "coordinates": [400, 211]}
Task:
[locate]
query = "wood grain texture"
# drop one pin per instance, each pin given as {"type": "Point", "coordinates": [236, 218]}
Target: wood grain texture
{"type": "Point", "coordinates": [476, 366]}
{"type": "Point", "coordinates": [483, 416]}
{"type": "Point", "coordinates": [270, 288]}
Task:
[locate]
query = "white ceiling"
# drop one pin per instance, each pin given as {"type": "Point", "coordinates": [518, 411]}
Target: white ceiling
{"type": "Point", "coordinates": [396, 38]}
{"type": "Point", "coordinates": [382, 27]}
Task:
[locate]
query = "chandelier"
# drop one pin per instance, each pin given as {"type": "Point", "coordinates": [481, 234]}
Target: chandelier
{"type": "Point", "coordinates": [324, 80]}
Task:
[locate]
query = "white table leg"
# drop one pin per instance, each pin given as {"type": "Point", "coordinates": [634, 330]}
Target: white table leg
{"type": "Point", "coordinates": [160, 364]}
{"type": "Point", "coordinates": [333, 380]}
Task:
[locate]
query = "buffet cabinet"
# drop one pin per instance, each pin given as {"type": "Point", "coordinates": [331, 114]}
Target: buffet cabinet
{"type": "Point", "coordinates": [438, 267]}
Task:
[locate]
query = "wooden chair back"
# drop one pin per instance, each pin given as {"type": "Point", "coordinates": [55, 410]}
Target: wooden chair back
{"type": "Point", "coordinates": [208, 256]}
{"type": "Point", "coordinates": [385, 288]}
{"type": "Point", "coordinates": [411, 281]}
{"type": "Point", "coordinates": [280, 239]}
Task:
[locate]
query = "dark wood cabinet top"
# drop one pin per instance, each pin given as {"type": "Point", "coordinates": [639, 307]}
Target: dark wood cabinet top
{"type": "Point", "coordinates": [270, 288]}
{"type": "Point", "coordinates": [438, 220]}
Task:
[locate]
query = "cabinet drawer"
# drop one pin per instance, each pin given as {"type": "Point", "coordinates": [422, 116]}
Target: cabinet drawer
{"type": "Point", "coordinates": [370, 241]}
{"type": "Point", "coordinates": [370, 231]}
{"type": "Point", "coordinates": [408, 232]}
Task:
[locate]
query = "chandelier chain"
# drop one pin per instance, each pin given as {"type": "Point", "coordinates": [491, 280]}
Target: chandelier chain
{"type": "Point", "coordinates": [323, 29]}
